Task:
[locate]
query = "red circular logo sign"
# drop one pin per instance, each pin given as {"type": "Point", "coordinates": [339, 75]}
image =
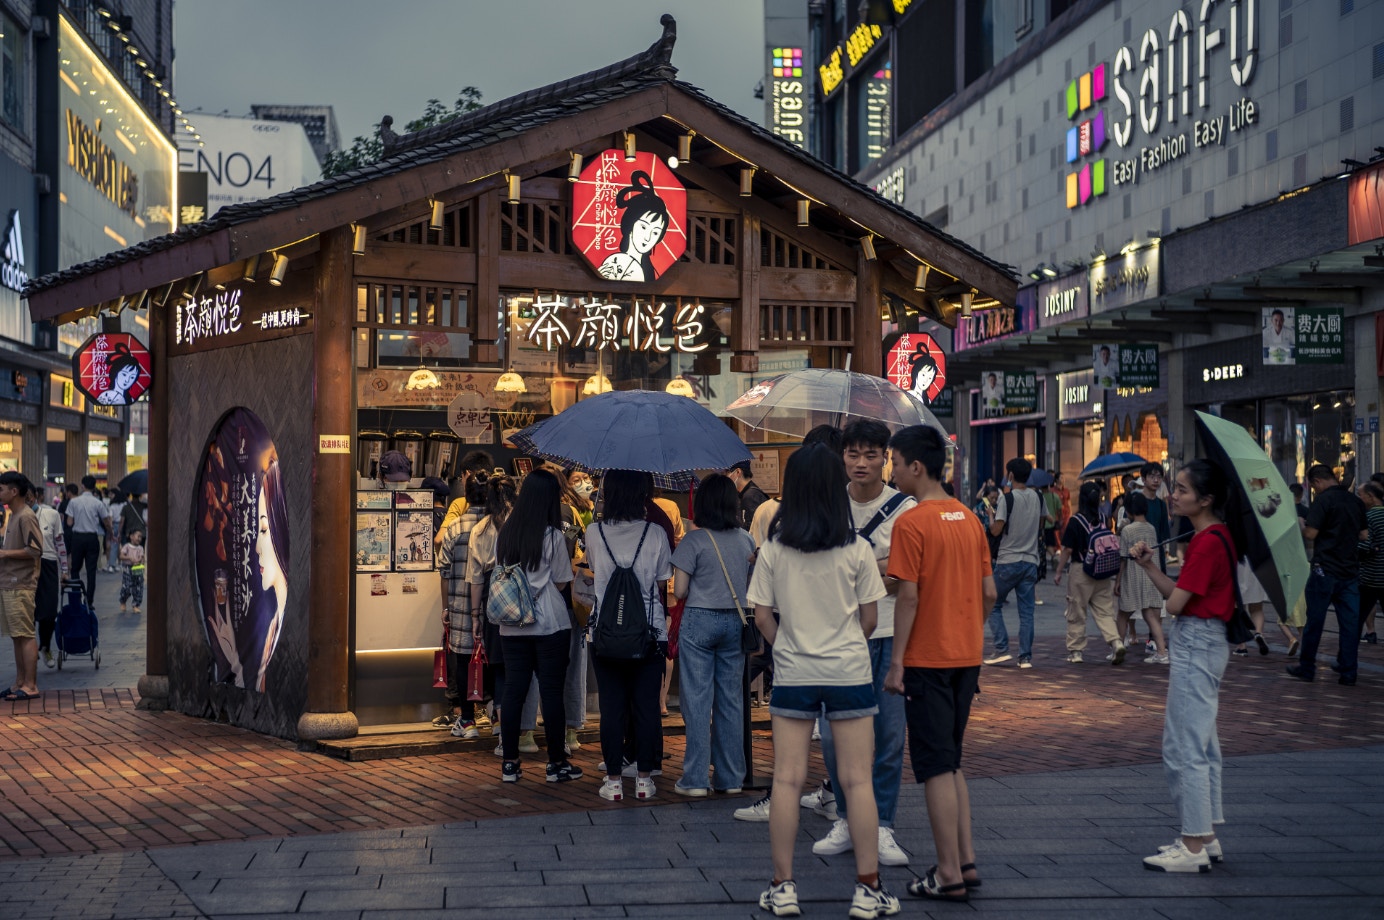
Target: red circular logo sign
{"type": "Point", "coordinates": [629, 219]}
{"type": "Point", "coordinates": [918, 365]}
{"type": "Point", "coordinates": [112, 368]}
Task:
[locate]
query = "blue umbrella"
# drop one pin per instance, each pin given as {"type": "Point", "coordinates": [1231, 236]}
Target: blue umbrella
{"type": "Point", "coordinates": [1039, 478]}
{"type": "Point", "coordinates": [1112, 465]}
{"type": "Point", "coordinates": [636, 430]}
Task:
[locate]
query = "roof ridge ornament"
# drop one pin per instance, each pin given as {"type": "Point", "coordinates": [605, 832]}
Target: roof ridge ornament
{"type": "Point", "coordinates": [388, 138]}
{"type": "Point", "coordinates": [662, 50]}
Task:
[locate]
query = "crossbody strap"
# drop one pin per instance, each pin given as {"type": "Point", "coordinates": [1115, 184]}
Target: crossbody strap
{"type": "Point", "coordinates": [1234, 566]}
{"type": "Point", "coordinates": [881, 516]}
{"type": "Point", "coordinates": [729, 584]}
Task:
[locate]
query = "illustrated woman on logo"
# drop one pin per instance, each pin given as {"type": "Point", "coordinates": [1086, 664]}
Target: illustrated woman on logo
{"type": "Point", "coordinates": [642, 225]}
{"type": "Point", "coordinates": [124, 371]}
{"type": "Point", "coordinates": [271, 547]}
{"type": "Point", "coordinates": [923, 371]}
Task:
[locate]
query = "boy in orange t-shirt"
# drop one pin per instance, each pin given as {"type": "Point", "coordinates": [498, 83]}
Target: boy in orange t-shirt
{"type": "Point", "coordinates": [938, 549]}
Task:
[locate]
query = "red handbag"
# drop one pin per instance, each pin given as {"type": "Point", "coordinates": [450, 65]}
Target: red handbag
{"type": "Point", "coordinates": [475, 679]}
{"type": "Point", "coordinates": [674, 627]}
{"type": "Point", "coordinates": [440, 664]}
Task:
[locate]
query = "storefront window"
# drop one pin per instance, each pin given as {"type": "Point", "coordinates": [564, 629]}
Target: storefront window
{"type": "Point", "coordinates": [1299, 432]}
{"type": "Point", "coordinates": [11, 441]}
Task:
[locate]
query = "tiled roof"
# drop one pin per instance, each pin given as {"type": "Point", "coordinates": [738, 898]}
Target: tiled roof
{"type": "Point", "coordinates": [481, 128]}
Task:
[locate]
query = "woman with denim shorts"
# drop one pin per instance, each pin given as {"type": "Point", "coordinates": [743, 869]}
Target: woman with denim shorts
{"type": "Point", "coordinates": [710, 571]}
{"type": "Point", "coordinates": [1201, 603]}
{"type": "Point", "coordinates": [824, 582]}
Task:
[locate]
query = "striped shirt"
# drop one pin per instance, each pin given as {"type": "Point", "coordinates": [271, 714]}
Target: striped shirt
{"type": "Point", "coordinates": [1372, 565]}
{"type": "Point", "coordinates": [451, 553]}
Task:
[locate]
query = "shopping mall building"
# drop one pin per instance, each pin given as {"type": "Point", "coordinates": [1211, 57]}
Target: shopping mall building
{"type": "Point", "coordinates": [1197, 188]}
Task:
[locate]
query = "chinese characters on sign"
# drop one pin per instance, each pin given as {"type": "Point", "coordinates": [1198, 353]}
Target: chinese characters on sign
{"type": "Point", "coordinates": [468, 415]}
{"type": "Point", "coordinates": [629, 218]}
{"type": "Point", "coordinates": [1304, 335]}
{"type": "Point", "coordinates": [207, 316]}
{"type": "Point", "coordinates": [112, 368]}
{"type": "Point", "coordinates": [1020, 392]}
{"type": "Point", "coordinates": [916, 364]}
{"type": "Point", "coordinates": [281, 319]}
{"type": "Point", "coordinates": [646, 326]}
{"type": "Point", "coordinates": [1138, 366]}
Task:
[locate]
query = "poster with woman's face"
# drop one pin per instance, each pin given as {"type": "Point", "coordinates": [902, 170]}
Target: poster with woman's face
{"type": "Point", "coordinates": [240, 549]}
{"type": "Point", "coordinates": [629, 217]}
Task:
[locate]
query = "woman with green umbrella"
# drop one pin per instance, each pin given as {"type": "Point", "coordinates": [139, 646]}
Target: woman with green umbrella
{"type": "Point", "coordinates": [1201, 602]}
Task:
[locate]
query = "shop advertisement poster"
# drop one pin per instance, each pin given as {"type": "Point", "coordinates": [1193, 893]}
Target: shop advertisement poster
{"type": "Point", "coordinates": [112, 369]}
{"type": "Point", "coordinates": [374, 500]}
{"type": "Point", "coordinates": [1105, 359]}
{"type": "Point", "coordinates": [241, 546]}
{"type": "Point", "coordinates": [916, 364]}
{"type": "Point", "coordinates": [372, 539]}
{"type": "Point", "coordinates": [943, 406]}
{"type": "Point", "coordinates": [1280, 336]}
{"type": "Point", "coordinates": [1138, 365]}
{"type": "Point", "coordinates": [413, 541]}
{"type": "Point", "coordinates": [1020, 392]}
{"type": "Point", "coordinates": [764, 469]}
{"type": "Point", "coordinates": [992, 395]}
{"type": "Point", "coordinates": [1304, 335]}
{"type": "Point", "coordinates": [383, 388]}
{"type": "Point", "coordinates": [629, 216]}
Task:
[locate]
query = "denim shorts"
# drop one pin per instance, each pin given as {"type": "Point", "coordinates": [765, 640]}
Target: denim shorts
{"type": "Point", "coordinates": [809, 702]}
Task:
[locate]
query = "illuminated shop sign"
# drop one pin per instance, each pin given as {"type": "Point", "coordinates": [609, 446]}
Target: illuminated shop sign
{"type": "Point", "coordinates": [862, 42]}
{"type": "Point", "coordinates": [97, 163]}
{"type": "Point", "coordinates": [1222, 372]}
{"type": "Point", "coordinates": [1063, 300]}
{"type": "Point", "coordinates": [641, 326]}
{"type": "Point", "coordinates": [629, 216]}
{"type": "Point", "coordinates": [223, 318]}
{"type": "Point", "coordinates": [14, 273]}
{"type": "Point", "coordinates": [830, 72]}
{"type": "Point", "coordinates": [1122, 280]}
{"type": "Point", "coordinates": [1000, 323]}
{"type": "Point", "coordinates": [878, 129]}
{"type": "Point", "coordinates": [787, 95]}
{"type": "Point", "coordinates": [1169, 94]}
{"type": "Point", "coordinates": [891, 185]}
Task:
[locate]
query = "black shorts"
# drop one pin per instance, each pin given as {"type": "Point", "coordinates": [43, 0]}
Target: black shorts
{"type": "Point", "coordinates": [1050, 537]}
{"type": "Point", "coordinates": [937, 705]}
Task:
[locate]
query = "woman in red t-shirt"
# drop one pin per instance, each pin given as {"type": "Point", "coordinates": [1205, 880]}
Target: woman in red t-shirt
{"type": "Point", "coordinates": [1200, 602]}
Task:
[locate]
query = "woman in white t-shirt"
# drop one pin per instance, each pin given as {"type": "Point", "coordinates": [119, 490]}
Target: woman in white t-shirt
{"type": "Point", "coordinates": [624, 538]}
{"type": "Point", "coordinates": [532, 536]}
{"type": "Point", "coordinates": [824, 582]}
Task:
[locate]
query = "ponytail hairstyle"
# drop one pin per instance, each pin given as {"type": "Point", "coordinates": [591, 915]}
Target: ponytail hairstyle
{"type": "Point", "coordinates": [1088, 502]}
{"type": "Point", "coordinates": [1208, 481]}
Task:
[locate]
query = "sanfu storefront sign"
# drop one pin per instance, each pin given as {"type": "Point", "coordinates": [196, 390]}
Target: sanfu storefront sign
{"type": "Point", "coordinates": [629, 217]}
{"type": "Point", "coordinates": [113, 369]}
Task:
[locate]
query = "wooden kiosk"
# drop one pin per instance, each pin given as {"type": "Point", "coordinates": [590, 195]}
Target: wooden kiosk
{"type": "Point", "coordinates": [481, 275]}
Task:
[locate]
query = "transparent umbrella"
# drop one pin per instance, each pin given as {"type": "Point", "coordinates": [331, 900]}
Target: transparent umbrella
{"type": "Point", "coordinates": [795, 403]}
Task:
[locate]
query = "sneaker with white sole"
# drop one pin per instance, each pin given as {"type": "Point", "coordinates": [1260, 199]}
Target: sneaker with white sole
{"type": "Point", "coordinates": [822, 802]}
{"type": "Point", "coordinates": [781, 900]}
{"type": "Point", "coordinates": [869, 903]}
{"type": "Point", "coordinates": [1177, 858]}
{"type": "Point", "coordinates": [1074, 657]}
{"type": "Point", "coordinates": [837, 840]}
{"type": "Point", "coordinates": [998, 658]}
{"type": "Point", "coordinates": [613, 790]}
{"type": "Point", "coordinates": [758, 812]}
{"type": "Point", "coordinates": [1157, 659]}
{"type": "Point", "coordinates": [644, 787]}
{"type": "Point", "coordinates": [890, 853]}
{"type": "Point", "coordinates": [563, 772]}
{"type": "Point", "coordinates": [465, 730]}
{"type": "Point", "coordinates": [526, 743]}
{"type": "Point", "coordinates": [572, 743]}
{"type": "Point", "coordinates": [511, 771]}
{"type": "Point", "coordinates": [695, 792]}
{"type": "Point", "coordinates": [1213, 849]}
{"type": "Point", "coordinates": [1025, 662]}
{"type": "Point", "coordinates": [1117, 656]}
{"type": "Point", "coordinates": [1150, 647]}
{"type": "Point", "coordinates": [1263, 645]}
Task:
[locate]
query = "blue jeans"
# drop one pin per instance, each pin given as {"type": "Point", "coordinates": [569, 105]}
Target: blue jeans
{"type": "Point", "coordinates": [1344, 594]}
{"type": "Point", "coordinates": [889, 739]}
{"type": "Point", "coordinates": [1191, 747]}
{"type": "Point", "coordinates": [710, 694]}
{"type": "Point", "coordinates": [1021, 578]}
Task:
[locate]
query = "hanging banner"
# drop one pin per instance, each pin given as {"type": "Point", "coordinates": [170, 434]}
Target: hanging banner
{"type": "Point", "coordinates": [1138, 365]}
{"type": "Point", "coordinates": [1020, 392]}
{"type": "Point", "coordinates": [629, 217]}
{"type": "Point", "coordinates": [1280, 335]}
{"type": "Point", "coordinates": [992, 395]}
{"type": "Point", "coordinates": [240, 545]}
{"type": "Point", "coordinates": [1105, 359]}
{"type": "Point", "coordinates": [112, 369]}
{"type": "Point", "coordinates": [916, 364]}
{"type": "Point", "coordinates": [1321, 336]}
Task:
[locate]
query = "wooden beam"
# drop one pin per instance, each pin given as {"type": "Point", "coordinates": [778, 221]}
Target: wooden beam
{"type": "Point", "coordinates": [865, 209]}
{"type": "Point", "coordinates": [153, 685]}
{"type": "Point", "coordinates": [417, 263]}
{"type": "Point", "coordinates": [487, 236]}
{"type": "Point", "coordinates": [333, 483]}
{"type": "Point", "coordinates": [745, 332]}
{"type": "Point", "coordinates": [791, 285]}
{"type": "Point", "coordinates": [867, 355]}
{"type": "Point", "coordinates": [530, 271]}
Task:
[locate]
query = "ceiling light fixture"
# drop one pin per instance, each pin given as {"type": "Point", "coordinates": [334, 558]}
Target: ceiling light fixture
{"type": "Point", "coordinates": [630, 151]}
{"type": "Point", "coordinates": [803, 206]}
{"type": "Point", "coordinates": [280, 269]}
{"type": "Point", "coordinates": [512, 188]}
{"type": "Point", "coordinates": [746, 181]}
{"type": "Point", "coordinates": [251, 268]}
{"type": "Point", "coordinates": [574, 167]}
{"type": "Point", "coordinates": [435, 219]}
{"type": "Point", "coordinates": [867, 245]}
{"type": "Point", "coordinates": [966, 299]}
{"type": "Point", "coordinates": [685, 146]}
{"type": "Point", "coordinates": [358, 233]}
{"type": "Point", "coordinates": [920, 277]}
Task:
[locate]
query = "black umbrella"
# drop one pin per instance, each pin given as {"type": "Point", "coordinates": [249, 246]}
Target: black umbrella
{"type": "Point", "coordinates": [137, 483]}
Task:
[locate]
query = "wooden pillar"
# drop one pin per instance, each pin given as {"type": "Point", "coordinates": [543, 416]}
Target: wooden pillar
{"type": "Point", "coordinates": [867, 356]}
{"type": "Point", "coordinates": [745, 323]}
{"type": "Point", "coordinates": [153, 686]}
{"type": "Point", "coordinates": [329, 603]}
{"type": "Point", "coordinates": [116, 466]}
{"type": "Point", "coordinates": [76, 454]}
{"type": "Point", "coordinates": [33, 455]}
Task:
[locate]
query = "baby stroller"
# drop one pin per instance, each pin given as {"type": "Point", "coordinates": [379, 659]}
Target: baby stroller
{"type": "Point", "coordinates": [77, 629]}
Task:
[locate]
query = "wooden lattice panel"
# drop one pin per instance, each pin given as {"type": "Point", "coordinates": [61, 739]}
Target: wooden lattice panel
{"type": "Point", "coordinates": [778, 251]}
{"type": "Point", "coordinates": [711, 239]}
{"type": "Point", "coordinates": [815, 324]}
{"type": "Point", "coordinates": [535, 226]}
{"type": "Point", "coordinates": [391, 303]}
{"type": "Point", "coordinates": [455, 232]}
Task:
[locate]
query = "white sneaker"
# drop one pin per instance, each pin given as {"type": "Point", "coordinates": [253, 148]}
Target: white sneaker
{"type": "Point", "coordinates": [1150, 647]}
{"type": "Point", "coordinates": [526, 743]}
{"type": "Point", "coordinates": [890, 853]}
{"type": "Point", "coordinates": [644, 787]}
{"type": "Point", "coordinates": [781, 900]}
{"type": "Point", "coordinates": [1157, 659]}
{"type": "Point", "coordinates": [758, 812]}
{"type": "Point", "coordinates": [837, 840]}
{"type": "Point", "coordinates": [1117, 657]}
{"type": "Point", "coordinates": [869, 903]}
{"type": "Point", "coordinates": [613, 790]}
{"type": "Point", "coordinates": [572, 743]}
{"type": "Point", "coordinates": [1177, 858]}
{"type": "Point", "coordinates": [822, 802]}
{"type": "Point", "coordinates": [466, 730]}
{"type": "Point", "coordinates": [1213, 849]}
{"type": "Point", "coordinates": [998, 658]}
{"type": "Point", "coordinates": [1074, 657]}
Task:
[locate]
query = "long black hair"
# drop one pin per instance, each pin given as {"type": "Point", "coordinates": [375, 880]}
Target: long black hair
{"type": "Point", "coordinates": [525, 531]}
{"type": "Point", "coordinates": [1088, 502]}
{"type": "Point", "coordinates": [815, 511]}
{"type": "Point", "coordinates": [1208, 481]}
{"type": "Point", "coordinates": [500, 495]}
{"type": "Point", "coordinates": [638, 200]}
{"type": "Point", "coordinates": [121, 359]}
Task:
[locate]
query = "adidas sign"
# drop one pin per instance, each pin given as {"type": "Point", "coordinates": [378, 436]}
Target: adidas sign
{"type": "Point", "coordinates": [13, 274]}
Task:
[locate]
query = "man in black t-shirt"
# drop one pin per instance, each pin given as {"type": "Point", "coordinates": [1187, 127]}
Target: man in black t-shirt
{"type": "Point", "coordinates": [751, 495]}
{"type": "Point", "coordinates": [1335, 523]}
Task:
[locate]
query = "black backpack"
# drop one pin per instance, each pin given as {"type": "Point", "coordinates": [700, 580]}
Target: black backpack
{"type": "Point", "coordinates": [622, 627]}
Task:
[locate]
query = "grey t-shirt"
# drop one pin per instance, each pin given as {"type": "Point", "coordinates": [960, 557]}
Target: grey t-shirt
{"type": "Point", "coordinates": [1020, 543]}
{"type": "Point", "coordinates": [706, 582]}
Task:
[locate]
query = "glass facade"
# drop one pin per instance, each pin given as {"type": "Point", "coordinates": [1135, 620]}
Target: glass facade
{"type": "Point", "coordinates": [13, 68]}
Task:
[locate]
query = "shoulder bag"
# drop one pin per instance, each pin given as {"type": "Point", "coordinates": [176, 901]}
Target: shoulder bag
{"type": "Point", "coordinates": [749, 633]}
{"type": "Point", "coordinates": [1239, 629]}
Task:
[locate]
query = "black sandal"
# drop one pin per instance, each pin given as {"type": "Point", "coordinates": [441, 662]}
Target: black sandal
{"type": "Point", "coordinates": [970, 883]}
{"type": "Point", "coordinates": [929, 887]}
